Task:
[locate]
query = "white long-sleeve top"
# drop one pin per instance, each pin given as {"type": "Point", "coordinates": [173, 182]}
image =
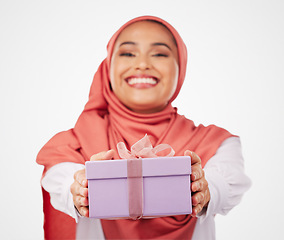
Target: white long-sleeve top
{"type": "Point", "coordinates": [224, 173]}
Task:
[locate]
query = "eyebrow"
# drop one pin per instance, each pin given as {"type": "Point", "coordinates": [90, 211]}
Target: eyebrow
{"type": "Point", "coordinates": [161, 44]}
{"type": "Point", "coordinates": [153, 44]}
{"type": "Point", "coordinates": [125, 43]}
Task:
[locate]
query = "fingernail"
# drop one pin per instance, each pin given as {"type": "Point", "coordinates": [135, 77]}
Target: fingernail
{"type": "Point", "coordinates": [83, 182]}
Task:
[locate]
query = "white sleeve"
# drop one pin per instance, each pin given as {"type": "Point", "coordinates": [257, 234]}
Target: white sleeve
{"type": "Point", "coordinates": [57, 181]}
{"type": "Point", "coordinates": [226, 178]}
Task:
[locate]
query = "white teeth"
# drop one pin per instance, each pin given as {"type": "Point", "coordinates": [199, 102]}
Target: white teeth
{"type": "Point", "coordinates": [133, 81]}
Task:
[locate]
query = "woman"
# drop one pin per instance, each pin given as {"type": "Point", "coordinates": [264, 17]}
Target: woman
{"type": "Point", "coordinates": [130, 96]}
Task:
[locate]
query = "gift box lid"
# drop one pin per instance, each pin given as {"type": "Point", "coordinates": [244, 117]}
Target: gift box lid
{"type": "Point", "coordinates": [160, 166]}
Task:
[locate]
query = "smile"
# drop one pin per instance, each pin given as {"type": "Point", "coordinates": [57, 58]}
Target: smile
{"type": "Point", "coordinates": [142, 82]}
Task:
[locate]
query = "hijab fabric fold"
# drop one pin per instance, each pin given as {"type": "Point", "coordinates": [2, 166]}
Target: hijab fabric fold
{"type": "Point", "coordinates": [104, 122]}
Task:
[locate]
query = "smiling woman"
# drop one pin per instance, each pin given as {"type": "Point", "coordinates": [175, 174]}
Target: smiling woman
{"type": "Point", "coordinates": [131, 96]}
{"type": "Point", "coordinates": [144, 67]}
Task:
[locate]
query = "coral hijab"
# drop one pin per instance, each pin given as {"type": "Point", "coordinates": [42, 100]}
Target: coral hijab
{"type": "Point", "coordinates": [105, 122]}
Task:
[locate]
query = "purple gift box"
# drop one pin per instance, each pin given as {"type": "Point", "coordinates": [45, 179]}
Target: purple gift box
{"type": "Point", "coordinates": [166, 187]}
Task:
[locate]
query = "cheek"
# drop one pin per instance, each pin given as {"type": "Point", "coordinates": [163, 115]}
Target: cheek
{"type": "Point", "coordinates": [111, 73]}
{"type": "Point", "coordinates": [175, 70]}
{"type": "Point", "coordinates": [117, 70]}
{"type": "Point", "coordinates": [114, 75]}
{"type": "Point", "coordinates": [172, 71]}
{"type": "Point", "coordinates": [168, 68]}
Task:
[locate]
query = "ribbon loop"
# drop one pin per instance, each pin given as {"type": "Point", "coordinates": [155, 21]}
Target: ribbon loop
{"type": "Point", "coordinates": [144, 149]}
{"type": "Point", "coordinates": [163, 147]}
{"type": "Point", "coordinates": [123, 152]}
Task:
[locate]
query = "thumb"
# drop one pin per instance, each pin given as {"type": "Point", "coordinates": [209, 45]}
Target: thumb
{"type": "Point", "coordinates": [188, 153]}
{"type": "Point", "coordinates": [106, 155]}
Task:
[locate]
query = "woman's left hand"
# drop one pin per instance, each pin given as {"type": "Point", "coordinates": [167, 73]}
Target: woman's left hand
{"type": "Point", "coordinates": [199, 185]}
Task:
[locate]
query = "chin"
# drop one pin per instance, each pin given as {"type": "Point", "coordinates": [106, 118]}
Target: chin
{"type": "Point", "coordinates": [145, 108]}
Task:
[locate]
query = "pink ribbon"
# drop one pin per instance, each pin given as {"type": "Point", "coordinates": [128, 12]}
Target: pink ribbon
{"type": "Point", "coordinates": [141, 149]}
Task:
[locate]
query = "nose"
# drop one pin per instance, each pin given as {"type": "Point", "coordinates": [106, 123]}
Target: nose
{"type": "Point", "coordinates": [142, 62]}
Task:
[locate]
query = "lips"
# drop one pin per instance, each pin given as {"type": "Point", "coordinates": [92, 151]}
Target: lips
{"type": "Point", "coordinates": [142, 81]}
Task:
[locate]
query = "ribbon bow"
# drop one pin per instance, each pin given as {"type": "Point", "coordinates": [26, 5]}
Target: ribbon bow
{"type": "Point", "coordinates": [141, 149]}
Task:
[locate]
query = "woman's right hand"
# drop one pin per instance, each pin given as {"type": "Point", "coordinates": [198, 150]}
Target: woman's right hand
{"type": "Point", "coordinates": [79, 187]}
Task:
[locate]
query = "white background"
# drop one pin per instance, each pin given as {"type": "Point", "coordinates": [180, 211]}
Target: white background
{"type": "Point", "coordinates": [50, 50]}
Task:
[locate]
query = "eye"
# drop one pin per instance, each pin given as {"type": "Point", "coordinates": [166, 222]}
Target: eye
{"type": "Point", "coordinates": [160, 55]}
{"type": "Point", "coordinates": [127, 54]}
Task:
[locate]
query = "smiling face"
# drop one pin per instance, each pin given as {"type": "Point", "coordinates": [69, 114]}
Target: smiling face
{"type": "Point", "coordinates": [144, 67]}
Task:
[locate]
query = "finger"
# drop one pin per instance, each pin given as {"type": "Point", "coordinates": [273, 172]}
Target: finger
{"type": "Point", "coordinates": [199, 185]}
{"type": "Point", "coordinates": [106, 155]}
{"type": "Point", "coordinates": [198, 198]}
{"type": "Point", "coordinates": [197, 209]}
{"type": "Point", "coordinates": [81, 201]}
{"type": "Point", "coordinates": [77, 189]}
{"type": "Point", "coordinates": [83, 192]}
{"type": "Point", "coordinates": [84, 211]}
{"type": "Point", "coordinates": [80, 177]}
{"type": "Point", "coordinates": [196, 173]}
{"type": "Point", "coordinates": [195, 159]}
{"type": "Point", "coordinates": [187, 153]}
{"type": "Point", "coordinates": [81, 204]}
{"type": "Point", "coordinates": [196, 168]}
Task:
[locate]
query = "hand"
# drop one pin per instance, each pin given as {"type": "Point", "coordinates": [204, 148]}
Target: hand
{"type": "Point", "coordinates": [79, 187]}
{"type": "Point", "coordinates": [199, 185]}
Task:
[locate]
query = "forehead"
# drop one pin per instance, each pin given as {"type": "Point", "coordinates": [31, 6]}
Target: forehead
{"type": "Point", "coordinates": [146, 31]}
